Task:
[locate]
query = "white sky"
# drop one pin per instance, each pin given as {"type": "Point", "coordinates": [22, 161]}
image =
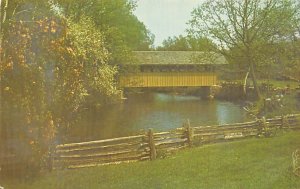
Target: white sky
{"type": "Point", "coordinates": [165, 18]}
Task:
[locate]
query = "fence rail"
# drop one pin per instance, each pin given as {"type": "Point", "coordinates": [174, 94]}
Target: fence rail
{"type": "Point", "coordinates": [150, 145]}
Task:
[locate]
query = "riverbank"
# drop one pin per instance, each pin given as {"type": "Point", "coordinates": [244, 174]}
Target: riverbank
{"type": "Point", "coordinates": [252, 163]}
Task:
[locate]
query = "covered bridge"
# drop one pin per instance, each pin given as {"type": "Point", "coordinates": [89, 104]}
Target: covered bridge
{"type": "Point", "coordinates": [172, 69]}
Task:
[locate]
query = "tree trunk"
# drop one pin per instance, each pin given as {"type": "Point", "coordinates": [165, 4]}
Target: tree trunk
{"type": "Point", "coordinates": [245, 83]}
{"type": "Point", "coordinates": [253, 77]}
{"type": "Point", "coordinates": [3, 10]}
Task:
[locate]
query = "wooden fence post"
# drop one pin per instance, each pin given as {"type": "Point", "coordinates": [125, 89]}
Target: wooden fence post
{"type": "Point", "coordinates": [151, 145]}
{"type": "Point", "coordinates": [284, 122]}
{"type": "Point", "coordinates": [295, 163]}
{"type": "Point", "coordinates": [258, 124]}
{"type": "Point", "coordinates": [189, 133]}
{"type": "Point", "coordinates": [52, 153]}
{"type": "Point", "coordinates": [262, 126]}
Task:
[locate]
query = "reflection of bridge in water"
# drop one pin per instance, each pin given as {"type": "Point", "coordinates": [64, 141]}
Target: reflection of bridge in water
{"type": "Point", "coordinates": [172, 69]}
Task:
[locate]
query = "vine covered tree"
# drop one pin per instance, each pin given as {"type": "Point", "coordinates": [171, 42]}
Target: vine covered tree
{"type": "Point", "coordinates": [50, 67]}
{"type": "Point", "coordinates": [253, 28]}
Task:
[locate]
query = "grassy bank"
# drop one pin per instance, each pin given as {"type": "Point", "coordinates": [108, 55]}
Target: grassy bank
{"type": "Point", "coordinates": [273, 82]}
{"type": "Point", "coordinates": [252, 163]}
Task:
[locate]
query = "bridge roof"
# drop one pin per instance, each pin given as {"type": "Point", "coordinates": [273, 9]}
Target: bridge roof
{"type": "Point", "coordinates": [178, 58]}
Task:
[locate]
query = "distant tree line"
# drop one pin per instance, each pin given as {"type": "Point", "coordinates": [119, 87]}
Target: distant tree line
{"type": "Point", "coordinates": [186, 43]}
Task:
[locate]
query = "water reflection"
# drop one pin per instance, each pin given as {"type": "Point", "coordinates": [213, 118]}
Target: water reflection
{"type": "Point", "coordinates": [152, 110]}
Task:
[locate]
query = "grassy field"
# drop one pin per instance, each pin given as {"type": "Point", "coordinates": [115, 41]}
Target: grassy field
{"type": "Point", "coordinates": [252, 163]}
{"type": "Point", "coordinates": [274, 83]}
{"type": "Point", "coordinates": [281, 84]}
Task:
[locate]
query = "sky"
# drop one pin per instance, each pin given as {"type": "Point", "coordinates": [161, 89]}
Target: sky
{"type": "Point", "coordinates": [165, 18]}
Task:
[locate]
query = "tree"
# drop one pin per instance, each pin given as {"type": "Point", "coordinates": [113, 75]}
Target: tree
{"type": "Point", "coordinates": [123, 32]}
{"type": "Point", "coordinates": [179, 43]}
{"type": "Point", "coordinates": [27, 128]}
{"type": "Point", "coordinates": [251, 27]}
{"type": "Point", "coordinates": [50, 67]}
{"type": "Point", "coordinates": [186, 43]}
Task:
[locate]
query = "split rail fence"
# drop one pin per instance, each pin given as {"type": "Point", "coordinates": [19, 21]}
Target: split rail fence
{"type": "Point", "coordinates": [151, 145]}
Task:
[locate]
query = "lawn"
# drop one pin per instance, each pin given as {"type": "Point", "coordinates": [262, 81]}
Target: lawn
{"type": "Point", "coordinates": [281, 84]}
{"type": "Point", "coordinates": [273, 82]}
{"type": "Point", "coordinates": [252, 163]}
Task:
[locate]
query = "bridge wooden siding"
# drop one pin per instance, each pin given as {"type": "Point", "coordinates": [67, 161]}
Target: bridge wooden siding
{"type": "Point", "coordinates": [168, 79]}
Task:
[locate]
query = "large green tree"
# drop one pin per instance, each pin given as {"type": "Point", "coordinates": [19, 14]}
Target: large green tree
{"type": "Point", "coordinates": [122, 30]}
{"type": "Point", "coordinates": [253, 28]}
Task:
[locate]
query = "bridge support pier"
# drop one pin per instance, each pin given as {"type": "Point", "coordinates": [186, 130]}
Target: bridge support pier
{"type": "Point", "coordinates": [122, 96]}
{"type": "Point", "coordinates": [207, 93]}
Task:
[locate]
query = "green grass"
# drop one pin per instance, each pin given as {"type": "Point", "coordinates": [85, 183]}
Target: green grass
{"type": "Point", "coordinates": [252, 163]}
{"type": "Point", "coordinates": [275, 83]}
{"type": "Point", "coordinates": [280, 84]}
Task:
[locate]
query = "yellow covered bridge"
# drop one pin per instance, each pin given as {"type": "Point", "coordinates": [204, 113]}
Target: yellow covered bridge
{"type": "Point", "coordinates": [172, 69]}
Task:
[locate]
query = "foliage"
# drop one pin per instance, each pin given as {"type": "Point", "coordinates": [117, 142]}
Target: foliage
{"type": "Point", "coordinates": [26, 120]}
{"type": "Point", "coordinates": [247, 31]}
{"type": "Point", "coordinates": [50, 67]}
{"type": "Point", "coordinates": [186, 43]}
{"type": "Point", "coordinates": [81, 74]}
{"type": "Point", "coordinates": [122, 30]}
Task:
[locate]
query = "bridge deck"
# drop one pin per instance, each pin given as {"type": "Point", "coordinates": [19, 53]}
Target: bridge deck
{"type": "Point", "coordinates": [168, 79]}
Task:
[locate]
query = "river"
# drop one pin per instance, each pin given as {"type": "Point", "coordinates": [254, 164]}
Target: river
{"type": "Point", "coordinates": [159, 111]}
